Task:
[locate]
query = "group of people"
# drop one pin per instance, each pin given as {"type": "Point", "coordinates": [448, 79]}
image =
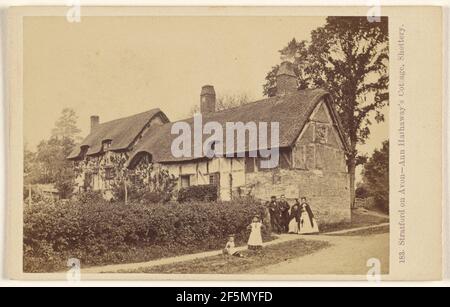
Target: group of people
{"type": "Point", "coordinates": [297, 219]}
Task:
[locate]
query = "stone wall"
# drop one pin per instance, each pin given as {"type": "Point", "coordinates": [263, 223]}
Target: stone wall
{"type": "Point", "coordinates": [327, 193]}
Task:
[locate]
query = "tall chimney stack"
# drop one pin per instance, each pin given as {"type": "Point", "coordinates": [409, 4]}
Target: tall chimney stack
{"type": "Point", "coordinates": [95, 120]}
{"type": "Point", "coordinates": [207, 100]}
{"type": "Point", "coordinates": [286, 79]}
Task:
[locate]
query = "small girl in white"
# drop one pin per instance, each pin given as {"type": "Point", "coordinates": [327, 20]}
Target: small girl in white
{"type": "Point", "coordinates": [229, 247]}
{"type": "Point", "coordinates": [255, 239]}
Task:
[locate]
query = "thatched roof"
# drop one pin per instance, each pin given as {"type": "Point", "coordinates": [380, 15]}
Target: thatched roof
{"type": "Point", "coordinates": [121, 132]}
{"type": "Point", "coordinates": [291, 111]}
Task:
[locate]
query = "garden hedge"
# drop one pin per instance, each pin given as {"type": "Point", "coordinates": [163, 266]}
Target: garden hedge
{"type": "Point", "coordinates": [207, 192]}
{"type": "Point", "coordinates": [99, 232]}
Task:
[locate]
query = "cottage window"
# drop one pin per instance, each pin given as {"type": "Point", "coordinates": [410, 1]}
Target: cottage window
{"type": "Point", "coordinates": [214, 179]}
{"type": "Point", "coordinates": [88, 181]}
{"type": "Point", "coordinates": [109, 173]}
{"type": "Point", "coordinates": [321, 134]}
{"type": "Point", "coordinates": [106, 145]}
{"type": "Point", "coordinates": [185, 181]}
{"type": "Point", "coordinates": [249, 165]}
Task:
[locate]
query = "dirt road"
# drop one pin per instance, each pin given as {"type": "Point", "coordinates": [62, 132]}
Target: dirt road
{"type": "Point", "coordinates": [347, 255]}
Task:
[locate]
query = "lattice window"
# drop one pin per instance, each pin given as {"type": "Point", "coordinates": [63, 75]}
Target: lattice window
{"type": "Point", "coordinates": [321, 134]}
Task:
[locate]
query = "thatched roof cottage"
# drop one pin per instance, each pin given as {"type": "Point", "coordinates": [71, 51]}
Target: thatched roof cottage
{"type": "Point", "coordinates": [312, 149]}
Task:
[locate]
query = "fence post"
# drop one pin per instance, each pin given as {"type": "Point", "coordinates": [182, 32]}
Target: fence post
{"type": "Point", "coordinates": [126, 191]}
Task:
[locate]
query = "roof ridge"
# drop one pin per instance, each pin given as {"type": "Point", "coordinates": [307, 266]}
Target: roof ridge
{"type": "Point", "coordinates": [263, 100]}
{"type": "Point", "coordinates": [154, 110]}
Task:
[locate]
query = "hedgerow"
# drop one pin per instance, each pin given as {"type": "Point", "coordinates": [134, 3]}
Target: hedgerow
{"type": "Point", "coordinates": [207, 192]}
{"type": "Point", "coordinates": [99, 232]}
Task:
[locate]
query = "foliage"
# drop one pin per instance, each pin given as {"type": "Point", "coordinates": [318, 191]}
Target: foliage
{"type": "Point", "coordinates": [90, 197]}
{"type": "Point", "coordinates": [65, 184]}
{"type": "Point", "coordinates": [36, 194]}
{"type": "Point", "coordinates": [49, 164]}
{"type": "Point", "coordinates": [348, 57]}
{"type": "Point", "coordinates": [66, 126]}
{"type": "Point", "coordinates": [362, 191]}
{"type": "Point", "coordinates": [145, 183]}
{"type": "Point", "coordinates": [226, 102]}
{"type": "Point", "coordinates": [30, 167]}
{"type": "Point", "coordinates": [198, 193]}
{"type": "Point", "coordinates": [99, 232]}
{"type": "Point", "coordinates": [376, 176]}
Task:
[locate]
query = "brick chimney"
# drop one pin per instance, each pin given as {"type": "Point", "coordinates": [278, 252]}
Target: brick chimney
{"type": "Point", "coordinates": [95, 120]}
{"type": "Point", "coordinates": [286, 79]}
{"type": "Point", "coordinates": [207, 100]}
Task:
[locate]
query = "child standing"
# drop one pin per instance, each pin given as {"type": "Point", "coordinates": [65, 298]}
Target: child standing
{"type": "Point", "coordinates": [255, 239]}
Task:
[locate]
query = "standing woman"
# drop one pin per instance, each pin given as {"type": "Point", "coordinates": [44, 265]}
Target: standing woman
{"type": "Point", "coordinates": [295, 218]}
{"type": "Point", "coordinates": [308, 223]}
{"type": "Point", "coordinates": [255, 239]}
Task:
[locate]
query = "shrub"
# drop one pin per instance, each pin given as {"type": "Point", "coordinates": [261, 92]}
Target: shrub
{"type": "Point", "coordinates": [36, 195]}
{"type": "Point", "coordinates": [149, 185]}
{"type": "Point", "coordinates": [90, 197]}
{"type": "Point", "coordinates": [198, 193]}
{"type": "Point", "coordinates": [99, 232]}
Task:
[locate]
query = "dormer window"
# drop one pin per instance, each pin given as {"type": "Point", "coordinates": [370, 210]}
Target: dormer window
{"type": "Point", "coordinates": [106, 145]}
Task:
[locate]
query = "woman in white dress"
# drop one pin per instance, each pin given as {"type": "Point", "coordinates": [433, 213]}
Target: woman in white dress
{"type": "Point", "coordinates": [308, 224]}
{"type": "Point", "coordinates": [255, 239]}
{"type": "Point", "coordinates": [295, 218]}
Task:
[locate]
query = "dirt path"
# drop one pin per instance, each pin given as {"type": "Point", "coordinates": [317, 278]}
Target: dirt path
{"type": "Point", "coordinates": [347, 255]}
{"type": "Point", "coordinates": [342, 250]}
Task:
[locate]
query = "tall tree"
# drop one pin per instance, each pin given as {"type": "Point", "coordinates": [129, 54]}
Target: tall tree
{"type": "Point", "coordinates": [66, 126]}
{"type": "Point", "coordinates": [51, 154]}
{"type": "Point", "coordinates": [376, 176]}
{"type": "Point", "coordinates": [349, 57]}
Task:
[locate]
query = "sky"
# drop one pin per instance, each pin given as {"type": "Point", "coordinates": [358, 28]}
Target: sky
{"type": "Point", "coordinates": [119, 66]}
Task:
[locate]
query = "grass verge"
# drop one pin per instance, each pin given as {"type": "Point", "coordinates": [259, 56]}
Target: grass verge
{"type": "Point", "coordinates": [365, 232]}
{"type": "Point", "coordinates": [359, 219]}
{"type": "Point", "coordinates": [237, 265]}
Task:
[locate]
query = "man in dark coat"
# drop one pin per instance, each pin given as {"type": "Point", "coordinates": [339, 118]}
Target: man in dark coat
{"type": "Point", "coordinates": [274, 215]}
{"type": "Point", "coordinates": [284, 214]}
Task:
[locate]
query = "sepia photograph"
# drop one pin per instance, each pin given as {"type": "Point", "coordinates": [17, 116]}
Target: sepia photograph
{"type": "Point", "coordinates": [206, 145]}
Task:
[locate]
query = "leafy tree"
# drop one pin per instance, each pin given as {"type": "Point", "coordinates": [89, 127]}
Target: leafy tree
{"type": "Point", "coordinates": [349, 57]}
{"type": "Point", "coordinates": [50, 158]}
{"type": "Point", "coordinates": [66, 126]}
{"type": "Point", "coordinates": [376, 176]}
{"type": "Point", "coordinates": [65, 182]}
{"type": "Point", "coordinates": [30, 167]}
